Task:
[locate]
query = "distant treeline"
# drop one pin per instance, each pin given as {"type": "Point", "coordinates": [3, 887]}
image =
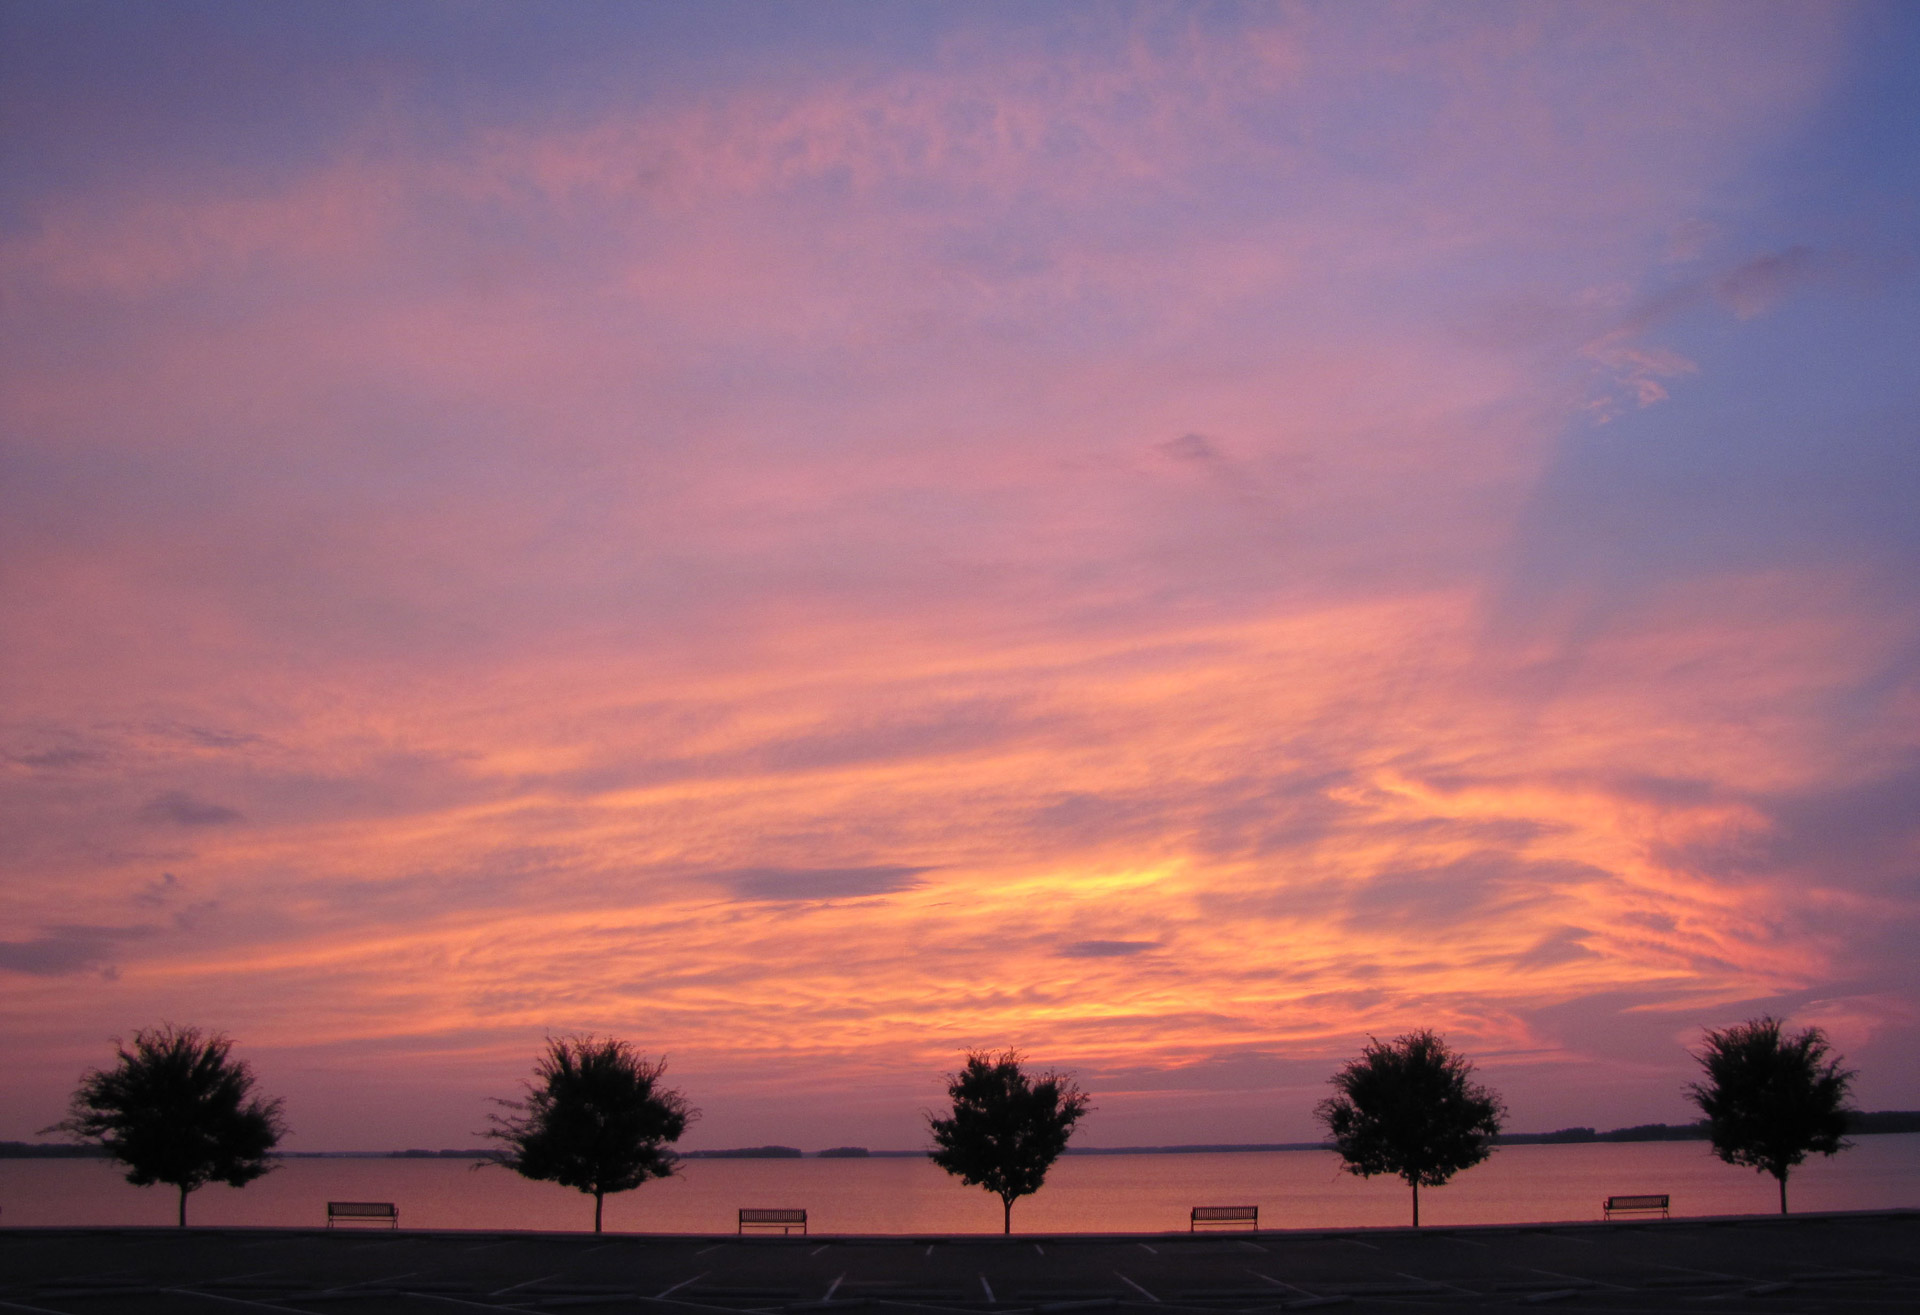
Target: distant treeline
{"type": "Point", "coordinates": [1859, 1124]}
{"type": "Point", "coordinates": [1696, 1131]}
{"type": "Point", "coordinates": [21, 1150]}
{"type": "Point", "coordinates": [1219, 1148]}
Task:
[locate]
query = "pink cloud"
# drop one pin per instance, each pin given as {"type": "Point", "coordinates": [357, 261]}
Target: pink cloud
{"type": "Point", "coordinates": [1052, 510]}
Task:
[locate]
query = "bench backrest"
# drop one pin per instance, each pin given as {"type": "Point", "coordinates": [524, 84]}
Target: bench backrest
{"type": "Point", "coordinates": [1636, 1203]}
{"type": "Point", "coordinates": [362, 1210]}
{"type": "Point", "coordinates": [1220, 1214]}
{"type": "Point", "coordinates": [773, 1216]}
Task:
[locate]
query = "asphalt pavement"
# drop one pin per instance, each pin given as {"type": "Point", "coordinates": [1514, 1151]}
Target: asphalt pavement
{"type": "Point", "coordinates": [1867, 1262]}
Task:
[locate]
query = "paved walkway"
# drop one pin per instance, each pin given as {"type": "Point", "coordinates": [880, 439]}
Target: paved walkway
{"type": "Point", "coordinates": [1809, 1263]}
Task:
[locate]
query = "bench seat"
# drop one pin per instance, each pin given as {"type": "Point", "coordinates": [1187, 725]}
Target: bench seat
{"type": "Point", "coordinates": [784, 1220]}
{"type": "Point", "coordinates": [363, 1212]}
{"type": "Point", "coordinates": [1635, 1205]}
{"type": "Point", "coordinates": [1223, 1216]}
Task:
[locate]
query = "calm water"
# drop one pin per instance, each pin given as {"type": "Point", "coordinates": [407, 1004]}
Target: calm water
{"type": "Point", "coordinates": [1119, 1193]}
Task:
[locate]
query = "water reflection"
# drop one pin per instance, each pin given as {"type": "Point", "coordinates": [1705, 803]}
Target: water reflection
{"type": "Point", "coordinates": [1131, 1193]}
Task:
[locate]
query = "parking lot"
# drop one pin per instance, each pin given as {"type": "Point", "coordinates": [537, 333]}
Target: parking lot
{"type": "Point", "coordinates": [1838, 1262]}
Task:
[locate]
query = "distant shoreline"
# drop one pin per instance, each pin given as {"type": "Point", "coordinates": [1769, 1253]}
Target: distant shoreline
{"type": "Point", "coordinates": [1865, 1124]}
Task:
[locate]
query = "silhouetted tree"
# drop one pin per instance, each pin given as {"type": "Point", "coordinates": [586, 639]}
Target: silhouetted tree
{"type": "Point", "coordinates": [1770, 1098]}
{"type": "Point", "coordinates": [177, 1109]}
{"type": "Point", "coordinates": [596, 1118]}
{"type": "Point", "coordinates": [1407, 1108]}
{"type": "Point", "coordinates": [1006, 1129]}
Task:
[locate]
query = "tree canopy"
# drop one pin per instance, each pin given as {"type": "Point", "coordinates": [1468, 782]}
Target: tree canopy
{"type": "Point", "coordinates": [1408, 1108]}
{"type": "Point", "coordinates": [1005, 1129]}
{"type": "Point", "coordinates": [596, 1118]}
{"type": "Point", "coordinates": [1771, 1099]}
{"type": "Point", "coordinates": [177, 1109]}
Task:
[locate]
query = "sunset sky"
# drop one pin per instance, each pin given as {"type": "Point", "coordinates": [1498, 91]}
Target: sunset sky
{"type": "Point", "coordinates": [812, 537]}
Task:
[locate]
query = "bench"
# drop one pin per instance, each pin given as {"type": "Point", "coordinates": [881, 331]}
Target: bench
{"type": "Point", "coordinates": [363, 1212]}
{"type": "Point", "coordinates": [1634, 1205]}
{"type": "Point", "coordinates": [1223, 1216]}
{"type": "Point", "coordinates": [784, 1220]}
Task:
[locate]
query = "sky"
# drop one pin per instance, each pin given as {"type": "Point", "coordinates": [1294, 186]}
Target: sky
{"type": "Point", "coordinates": [815, 538]}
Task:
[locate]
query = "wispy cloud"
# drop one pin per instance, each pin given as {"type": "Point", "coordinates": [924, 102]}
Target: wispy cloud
{"type": "Point", "coordinates": [183, 809]}
{"type": "Point", "coordinates": [1075, 530]}
{"type": "Point", "coordinates": [790, 884]}
{"type": "Point", "coordinates": [1106, 949]}
{"type": "Point", "coordinates": [61, 951]}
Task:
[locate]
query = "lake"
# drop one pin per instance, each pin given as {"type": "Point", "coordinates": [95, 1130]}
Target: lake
{"type": "Point", "coordinates": [1103, 1193]}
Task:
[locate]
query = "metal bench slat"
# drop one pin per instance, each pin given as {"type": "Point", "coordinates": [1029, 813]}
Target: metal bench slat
{"type": "Point", "coordinates": [377, 1211]}
{"type": "Point", "coordinates": [1223, 1214]}
{"type": "Point", "coordinates": [1645, 1203]}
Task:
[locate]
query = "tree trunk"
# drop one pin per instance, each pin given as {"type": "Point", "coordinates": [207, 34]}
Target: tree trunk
{"type": "Point", "coordinates": [1006, 1214]}
{"type": "Point", "coordinates": [598, 1199]}
{"type": "Point", "coordinates": [1783, 1193]}
{"type": "Point", "coordinates": [1416, 1205]}
{"type": "Point", "coordinates": [183, 1205]}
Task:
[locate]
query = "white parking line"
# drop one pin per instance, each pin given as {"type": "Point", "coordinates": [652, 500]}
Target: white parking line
{"type": "Point", "coordinates": [370, 1282]}
{"type": "Point", "coordinates": [226, 1300]}
{"type": "Point", "coordinates": [1136, 1287]}
{"type": "Point", "coordinates": [501, 1292]}
{"type": "Point", "coordinates": [1574, 1278]}
{"type": "Point", "coordinates": [715, 1247]}
{"type": "Point", "coordinates": [1280, 1283]}
{"type": "Point", "coordinates": [987, 1288]}
{"type": "Point", "coordinates": [833, 1287]}
{"type": "Point", "coordinates": [1710, 1273]}
{"type": "Point", "coordinates": [1036, 1247]}
{"type": "Point", "coordinates": [681, 1284]}
{"type": "Point", "coordinates": [1149, 1250]}
{"type": "Point", "coordinates": [817, 1250]}
{"type": "Point", "coordinates": [1438, 1283]}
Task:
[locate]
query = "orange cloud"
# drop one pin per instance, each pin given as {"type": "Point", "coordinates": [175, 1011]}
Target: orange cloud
{"type": "Point", "coordinates": [819, 572]}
